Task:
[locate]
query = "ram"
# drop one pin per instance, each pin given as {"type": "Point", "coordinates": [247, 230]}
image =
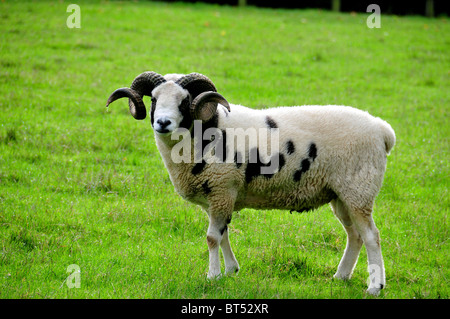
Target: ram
{"type": "Point", "coordinates": [320, 154]}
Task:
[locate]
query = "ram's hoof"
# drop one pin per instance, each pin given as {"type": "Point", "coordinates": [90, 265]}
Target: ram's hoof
{"type": "Point", "coordinates": [214, 277]}
{"type": "Point", "coordinates": [374, 291]}
{"type": "Point", "coordinates": [342, 276]}
{"type": "Point", "coordinates": [232, 271]}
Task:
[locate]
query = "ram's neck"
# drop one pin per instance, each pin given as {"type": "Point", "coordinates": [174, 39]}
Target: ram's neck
{"type": "Point", "coordinates": [177, 150]}
{"type": "Point", "coordinates": [178, 166]}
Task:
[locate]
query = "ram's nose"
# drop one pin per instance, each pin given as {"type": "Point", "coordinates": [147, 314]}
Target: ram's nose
{"type": "Point", "coordinates": [162, 125]}
{"type": "Point", "coordinates": [164, 122]}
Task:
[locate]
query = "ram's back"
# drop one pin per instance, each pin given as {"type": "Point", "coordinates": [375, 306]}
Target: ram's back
{"type": "Point", "coordinates": [323, 149]}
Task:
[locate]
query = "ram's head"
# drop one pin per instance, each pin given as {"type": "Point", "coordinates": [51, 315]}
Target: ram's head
{"type": "Point", "coordinates": [174, 103]}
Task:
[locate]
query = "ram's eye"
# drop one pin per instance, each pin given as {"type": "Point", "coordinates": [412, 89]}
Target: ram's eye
{"type": "Point", "coordinates": [185, 103]}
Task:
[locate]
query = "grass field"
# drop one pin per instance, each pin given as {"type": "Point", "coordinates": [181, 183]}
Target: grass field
{"type": "Point", "coordinates": [86, 186]}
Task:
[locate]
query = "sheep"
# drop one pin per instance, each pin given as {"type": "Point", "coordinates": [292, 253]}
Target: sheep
{"type": "Point", "coordinates": [322, 154]}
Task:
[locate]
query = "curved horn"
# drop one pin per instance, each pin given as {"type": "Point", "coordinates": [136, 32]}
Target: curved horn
{"type": "Point", "coordinates": [204, 106]}
{"type": "Point", "coordinates": [136, 104]}
{"type": "Point", "coordinates": [145, 82]}
{"type": "Point", "coordinates": [196, 83]}
{"type": "Point", "coordinates": [142, 85]}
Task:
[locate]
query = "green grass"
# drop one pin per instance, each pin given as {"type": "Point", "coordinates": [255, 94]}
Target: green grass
{"type": "Point", "coordinates": [82, 185]}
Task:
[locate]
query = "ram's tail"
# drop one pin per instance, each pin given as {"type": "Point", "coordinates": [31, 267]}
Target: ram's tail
{"type": "Point", "coordinates": [389, 136]}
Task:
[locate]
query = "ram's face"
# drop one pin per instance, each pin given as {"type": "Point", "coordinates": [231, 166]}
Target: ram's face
{"type": "Point", "coordinates": [168, 101]}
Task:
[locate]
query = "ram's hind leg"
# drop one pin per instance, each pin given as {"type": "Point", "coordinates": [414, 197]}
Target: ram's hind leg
{"type": "Point", "coordinates": [370, 235]}
{"type": "Point", "coordinates": [354, 241]}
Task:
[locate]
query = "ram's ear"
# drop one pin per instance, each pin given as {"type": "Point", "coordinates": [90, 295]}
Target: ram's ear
{"type": "Point", "coordinates": [204, 106]}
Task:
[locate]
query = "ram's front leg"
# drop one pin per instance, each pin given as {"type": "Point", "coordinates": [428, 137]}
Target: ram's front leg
{"type": "Point", "coordinates": [231, 264]}
{"type": "Point", "coordinates": [220, 211]}
{"type": "Point", "coordinates": [213, 238]}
